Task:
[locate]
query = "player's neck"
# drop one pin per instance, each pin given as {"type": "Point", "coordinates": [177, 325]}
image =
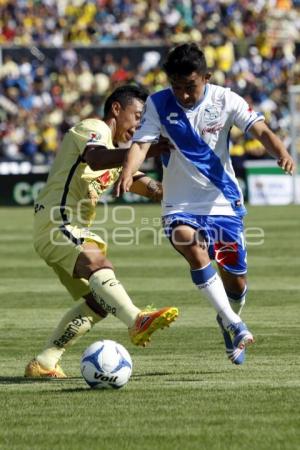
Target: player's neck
{"type": "Point", "coordinates": [111, 123]}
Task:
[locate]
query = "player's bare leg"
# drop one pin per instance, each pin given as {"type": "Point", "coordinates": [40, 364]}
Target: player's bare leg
{"type": "Point", "coordinates": [112, 297]}
{"type": "Point", "coordinates": [236, 288]}
{"type": "Point", "coordinates": [193, 247]}
{"type": "Point", "coordinates": [107, 290]}
{"type": "Point", "coordinates": [107, 295]}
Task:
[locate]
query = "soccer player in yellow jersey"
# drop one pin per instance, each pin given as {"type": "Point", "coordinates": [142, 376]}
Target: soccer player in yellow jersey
{"type": "Point", "coordinates": [64, 211]}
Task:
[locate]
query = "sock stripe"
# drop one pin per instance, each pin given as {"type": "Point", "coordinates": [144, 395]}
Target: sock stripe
{"type": "Point", "coordinates": [101, 268]}
{"type": "Point", "coordinates": [201, 276]}
{"type": "Point", "coordinates": [237, 297]}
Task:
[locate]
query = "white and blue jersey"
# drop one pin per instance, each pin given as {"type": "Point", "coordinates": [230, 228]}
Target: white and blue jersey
{"type": "Point", "coordinates": [198, 177]}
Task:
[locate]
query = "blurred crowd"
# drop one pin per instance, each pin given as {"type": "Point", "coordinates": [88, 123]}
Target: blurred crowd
{"type": "Point", "coordinates": [249, 46]}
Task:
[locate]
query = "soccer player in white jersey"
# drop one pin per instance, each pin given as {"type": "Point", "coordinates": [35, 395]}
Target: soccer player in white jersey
{"type": "Point", "coordinates": [202, 203]}
{"type": "Point", "coordinates": [86, 165]}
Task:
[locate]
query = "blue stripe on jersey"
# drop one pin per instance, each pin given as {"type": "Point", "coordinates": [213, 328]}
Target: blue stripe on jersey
{"type": "Point", "coordinates": [194, 148]}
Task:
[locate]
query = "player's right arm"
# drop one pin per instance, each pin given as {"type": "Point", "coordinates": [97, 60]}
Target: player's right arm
{"type": "Point", "coordinates": [148, 133]}
{"type": "Point", "coordinates": [99, 157]}
{"type": "Point", "coordinates": [133, 161]}
{"type": "Point", "coordinates": [94, 142]}
{"type": "Point", "coordinates": [274, 146]}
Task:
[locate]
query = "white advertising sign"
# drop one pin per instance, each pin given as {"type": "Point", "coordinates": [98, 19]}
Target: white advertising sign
{"type": "Point", "coordinates": [271, 189]}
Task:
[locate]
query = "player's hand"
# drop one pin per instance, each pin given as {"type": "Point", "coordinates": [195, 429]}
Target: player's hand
{"type": "Point", "coordinates": [287, 164]}
{"type": "Point", "coordinates": [123, 184]}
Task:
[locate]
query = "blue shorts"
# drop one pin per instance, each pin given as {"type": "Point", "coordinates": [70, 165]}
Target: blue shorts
{"type": "Point", "coordinates": [224, 236]}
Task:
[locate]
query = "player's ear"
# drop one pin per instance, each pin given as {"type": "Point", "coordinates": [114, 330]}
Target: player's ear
{"type": "Point", "coordinates": [207, 76]}
{"type": "Point", "coordinates": [115, 109]}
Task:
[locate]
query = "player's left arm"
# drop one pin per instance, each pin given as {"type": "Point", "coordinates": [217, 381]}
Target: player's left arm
{"type": "Point", "coordinates": [146, 186]}
{"type": "Point", "coordinates": [273, 145]}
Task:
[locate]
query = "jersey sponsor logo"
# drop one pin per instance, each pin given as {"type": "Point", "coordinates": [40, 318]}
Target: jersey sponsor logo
{"type": "Point", "coordinates": [171, 118]}
{"type": "Point", "coordinates": [104, 179]}
{"type": "Point", "coordinates": [100, 184]}
{"type": "Point", "coordinates": [94, 137]}
{"type": "Point", "coordinates": [226, 254]}
{"type": "Point", "coordinates": [213, 130]}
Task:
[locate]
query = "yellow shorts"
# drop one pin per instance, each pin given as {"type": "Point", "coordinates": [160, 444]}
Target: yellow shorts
{"type": "Point", "coordinates": [60, 246]}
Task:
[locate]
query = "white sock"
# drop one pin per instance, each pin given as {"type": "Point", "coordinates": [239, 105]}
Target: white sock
{"type": "Point", "coordinates": [74, 324]}
{"type": "Point", "coordinates": [209, 282]}
{"type": "Point", "coordinates": [237, 302]}
{"type": "Point", "coordinates": [112, 297]}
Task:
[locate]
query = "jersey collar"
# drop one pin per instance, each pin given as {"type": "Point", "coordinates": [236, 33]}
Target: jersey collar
{"type": "Point", "coordinates": [196, 104]}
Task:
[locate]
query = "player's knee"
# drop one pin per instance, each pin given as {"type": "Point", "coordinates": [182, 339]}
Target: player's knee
{"type": "Point", "coordinates": [196, 256]}
{"type": "Point", "coordinates": [182, 236]}
{"type": "Point", "coordinates": [97, 262]}
{"type": "Point", "coordinates": [89, 262]}
{"type": "Point", "coordinates": [238, 290]}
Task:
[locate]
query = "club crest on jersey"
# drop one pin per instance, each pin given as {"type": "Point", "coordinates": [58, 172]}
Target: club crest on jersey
{"type": "Point", "coordinates": [211, 112]}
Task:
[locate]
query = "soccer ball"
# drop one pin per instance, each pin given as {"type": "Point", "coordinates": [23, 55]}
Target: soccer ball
{"type": "Point", "coordinates": [106, 365]}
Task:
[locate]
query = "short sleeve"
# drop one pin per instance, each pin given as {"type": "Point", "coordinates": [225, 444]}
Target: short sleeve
{"type": "Point", "coordinates": [149, 129]}
{"type": "Point", "coordinates": [243, 115]}
{"type": "Point", "coordinates": [91, 132]}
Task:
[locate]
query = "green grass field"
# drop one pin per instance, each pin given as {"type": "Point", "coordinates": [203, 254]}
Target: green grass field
{"type": "Point", "coordinates": [184, 394]}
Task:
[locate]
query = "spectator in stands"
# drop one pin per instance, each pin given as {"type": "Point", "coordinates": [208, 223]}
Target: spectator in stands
{"type": "Point", "coordinates": [247, 43]}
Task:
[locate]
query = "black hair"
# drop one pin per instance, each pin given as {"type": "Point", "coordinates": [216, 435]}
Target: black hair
{"type": "Point", "coordinates": [185, 59]}
{"type": "Point", "coordinates": [125, 95]}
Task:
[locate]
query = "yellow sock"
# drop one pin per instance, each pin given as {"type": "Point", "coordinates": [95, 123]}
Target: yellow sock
{"type": "Point", "coordinates": [74, 324]}
{"type": "Point", "coordinates": [112, 297]}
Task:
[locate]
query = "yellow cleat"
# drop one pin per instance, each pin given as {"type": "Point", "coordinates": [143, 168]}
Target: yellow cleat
{"type": "Point", "coordinates": [149, 321]}
{"type": "Point", "coordinates": [35, 370]}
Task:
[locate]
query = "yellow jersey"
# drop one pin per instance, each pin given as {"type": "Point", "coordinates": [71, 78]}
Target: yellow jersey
{"type": "Point", "coordinates": [72, 189]}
